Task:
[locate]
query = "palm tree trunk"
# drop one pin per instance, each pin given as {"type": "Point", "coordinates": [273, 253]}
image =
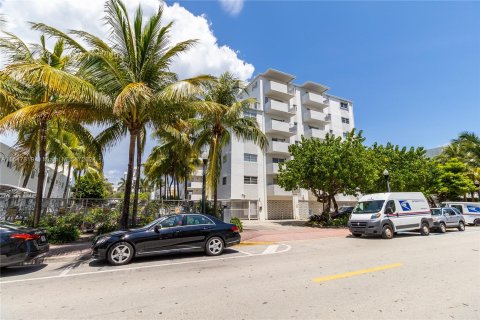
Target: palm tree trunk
{"type": "Point", "coordinates": [27, 177]}
{"type": "Point", "coordinates": [137, 182]}
{"type": "Point", "coordinates": [128, 182]}
{"type": "Point", "coordinates": [41, 173]}
{"type": "Point", "coordinates": [185, 188]}
{"type": "Point", "coordinates": [54, 177]}
{"type": "Point", "coordinates": [178, 188]}
{"type": "Point", "coordinates": [215, 198]}
{"type": "Point", "coordinates": [68, 180]}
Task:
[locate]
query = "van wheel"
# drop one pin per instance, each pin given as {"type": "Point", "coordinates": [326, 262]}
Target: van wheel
{"type": "Point", "coordinates": [476, 222]}
{"type": "Point", "coordinates": [425, 229]}
{"type": "Point", "coordinates": [387, 232]}
{"type": "Point", "coordinates": [461, 226]}
{"type": "Point", "coordinates": [442, 228]}
{"type": "Point", "coordinates": [358, 235]}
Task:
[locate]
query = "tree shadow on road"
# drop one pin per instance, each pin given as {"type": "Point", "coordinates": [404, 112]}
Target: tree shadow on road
{"type": "Point", "coordinates": [167, 257]}
{"type": "Point", "coordinates": [21, 270]}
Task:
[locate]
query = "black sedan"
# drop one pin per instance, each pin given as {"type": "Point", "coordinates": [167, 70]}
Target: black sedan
{"type": "Point", "coordinates": [20, 244]}
{"type": "Point", "coordinates": [169, 234]}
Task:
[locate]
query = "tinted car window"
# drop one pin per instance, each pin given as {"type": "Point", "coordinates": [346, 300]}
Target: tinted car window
{"type": "Point", "coordinates": [391, 205]}
{"type": "Point", "coordinates": [459, 208]}
{"type": "Point", "coordinates": [436, 212]}
{"type": "Point", "coordinates": [172, 222]}
{"type": "Point", "coordinates": [196, 219]}
{"type": "Point", "coordinates": [449, 212]}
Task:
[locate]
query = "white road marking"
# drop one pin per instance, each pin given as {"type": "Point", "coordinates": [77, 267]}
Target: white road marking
{"type": "Point", "coordinates": [271, 249]}
{"type": "Point", "coordinates": [287, 248]}
{"type": "Point", "coordinates": [67, 269]}
{"type": "Point", "coordinates": [244, 252]}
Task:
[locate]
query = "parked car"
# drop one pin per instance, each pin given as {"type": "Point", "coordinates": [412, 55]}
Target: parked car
{"type": "Point", "coordinates": [469, 210]}
{"type": "Point", "coordinates": [342, 211]}
{"type": "Point", "coordinates": [444, 218]}
{"type": "Point", "coordinates": [19, 244]}
{"type": "Point", "coordinates": [169, 234]}
{"type": "Point", "coordinates": [387, 213]}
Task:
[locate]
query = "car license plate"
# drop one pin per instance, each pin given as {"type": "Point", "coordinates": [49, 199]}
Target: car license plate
{"type": "Point", "coordinates": [43, 239]}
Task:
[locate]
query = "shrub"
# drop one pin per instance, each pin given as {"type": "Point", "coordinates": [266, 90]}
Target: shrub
{"type": "Point", "coordinates": [236, 221]}
{"type": "Point", "coordinates": [62, 230]}
{"type": "Point", "coordinates": [322, 221]}
{"type": "Point", "coordinates": [106, 228]}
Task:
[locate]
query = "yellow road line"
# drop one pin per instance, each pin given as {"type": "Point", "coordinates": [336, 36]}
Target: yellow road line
{"type": "Point", "coordinates": [255, 243]}
{"type": "Point", "coordinates": [356, 273]}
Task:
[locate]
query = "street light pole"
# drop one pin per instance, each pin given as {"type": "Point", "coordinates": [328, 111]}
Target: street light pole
{"type": "Point", "coordinates": [386, 176]}
{"type": "Point", "coordinates": [204, 181]}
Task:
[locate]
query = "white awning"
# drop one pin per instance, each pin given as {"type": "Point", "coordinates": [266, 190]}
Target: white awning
{"type": "Point", "coordinates": [8, 188]}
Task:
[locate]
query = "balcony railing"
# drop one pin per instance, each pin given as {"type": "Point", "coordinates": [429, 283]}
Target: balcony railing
{"type": "Point", "coordinates": [278, 147]}
{"type": "Point", "coordinates": [278, 90]}
{"type": "Point", "coordinates": [314, 100]}
{"type": "Point", "coordinates": [315, 117]}
{"type": "Point", "coordinates": [278, 127]}
{"type": "Point", "coordinates": [277, 107]}
{"type": "Point", "coordinates": [315, 133]}
{"type": "Point", "coordinates": [276, 190]}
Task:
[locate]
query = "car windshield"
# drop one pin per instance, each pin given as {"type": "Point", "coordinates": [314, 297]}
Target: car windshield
{"type": "Point", "coordinates": [436, 212]}
{"type": "Point", "coordinates": [368, 206]}
{"type": "Point", "coordinates": [151, 224]}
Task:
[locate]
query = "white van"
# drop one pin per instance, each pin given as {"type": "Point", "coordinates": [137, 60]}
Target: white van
{"type": "Point", "coordinates": [470, 210]}
{"type": "Point", "coordinates": [387, 213]}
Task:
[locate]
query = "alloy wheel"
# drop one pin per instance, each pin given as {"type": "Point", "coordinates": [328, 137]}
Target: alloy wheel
{"type": "Point", "coordinates": [120, 253]}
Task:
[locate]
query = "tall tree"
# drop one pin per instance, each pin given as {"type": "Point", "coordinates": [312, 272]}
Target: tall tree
{"type": "Point", "coordinates": [218, 125]}
{"type": "Point", "coordinates": [56, 93]}
{"type": "Point", "coordinates": [133, 69]}
{"type": "Point", "coordinates": [327, 168]}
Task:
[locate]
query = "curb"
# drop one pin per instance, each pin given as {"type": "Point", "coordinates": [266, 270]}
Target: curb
{"type": "Point", "coordinates": [68, 257]}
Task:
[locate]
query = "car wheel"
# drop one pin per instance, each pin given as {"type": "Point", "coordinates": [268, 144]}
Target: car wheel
{"type": "Point", "coordinates": [476, 222]}
{"type": "Point", "coordinates": [387, 232]}
{"type": "Point", "coordinates": [461, 226]}
{"type": "Point", "coordinates": [442, 228]}
{"type": "Point", "coordinates": [358, 235]}
{"type": "Point", "coordinates": [120, 253]}
{"type": "Point", "coordinates": [425, 229]}
{"type": "Point", "coordinates": [214, 246]}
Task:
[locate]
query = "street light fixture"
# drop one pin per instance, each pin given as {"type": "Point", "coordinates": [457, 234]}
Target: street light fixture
{"type": "Point", "coordinates": [204, 181]}
{"type": "Point", "coordinates": [386, 176]}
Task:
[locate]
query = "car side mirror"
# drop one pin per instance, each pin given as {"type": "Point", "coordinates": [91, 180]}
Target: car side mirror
{"type": "Point", "coordinates": [157, 228]}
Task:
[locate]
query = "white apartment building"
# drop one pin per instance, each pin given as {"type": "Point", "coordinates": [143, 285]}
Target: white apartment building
{"type": "Point", "coordinates": [10, 175]}
{"type": "Point", "coordinates": [285, 111]}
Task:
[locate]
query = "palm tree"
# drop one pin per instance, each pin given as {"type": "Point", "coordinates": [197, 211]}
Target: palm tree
{"type": "Point", "coordinates": [133, 69]}
{"type": "Point", "coordinates": [55, 93]}
{"type": "Point", "coordinates": [217, 126]}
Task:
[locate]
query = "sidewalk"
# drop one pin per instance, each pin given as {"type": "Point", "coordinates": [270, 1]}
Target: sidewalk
{"type": "Point", "coordinates": [286, 230]}
{"type": "Point", "coordinates": [253, 231]}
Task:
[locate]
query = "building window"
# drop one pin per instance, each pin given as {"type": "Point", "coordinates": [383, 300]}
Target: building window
{"type": "Point", "coordinates": [278, 139]}
{"type": "Point", "coordinates": [345, 134]}
{"type": "Point", "coordinates": [224, 158]}
{"type": "Point", "coordinates": [248, 113]}
{"type": "Point", "coordinates": [9, 164]}
{"type": "Point", "coordinates": [278, 160]}
{"type": "Point", "coordinates": [250, 180]}
{"type": "Point", "coordinates": [345, 120]}
{"type": "Point", "coordinates": [343, 105]}
{"type": "Point", "coordinates": [224, 180]}
{"type": "Point", "coordinates": [249, 157]}
{"type": "Point", "coordinates": [266, 100]}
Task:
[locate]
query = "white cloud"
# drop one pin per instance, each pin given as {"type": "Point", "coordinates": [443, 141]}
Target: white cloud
{"type": "Point", "coordinates": [207, 57]}
{"type": "Point", "coordinates": [233, 7]}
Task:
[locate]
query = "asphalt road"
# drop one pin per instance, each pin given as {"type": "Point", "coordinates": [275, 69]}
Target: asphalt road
{"type": "Point", "coordinates": [409, 277]}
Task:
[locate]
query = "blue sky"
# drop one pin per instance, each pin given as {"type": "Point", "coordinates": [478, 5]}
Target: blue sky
{"type": "Point", "coordinates": [412, 69]}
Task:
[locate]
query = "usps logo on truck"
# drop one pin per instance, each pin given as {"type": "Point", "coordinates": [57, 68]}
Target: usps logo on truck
{"type": "Point", "coordinates": [405, 205]}
{"type": "Point", "coordinates": [473, 209]}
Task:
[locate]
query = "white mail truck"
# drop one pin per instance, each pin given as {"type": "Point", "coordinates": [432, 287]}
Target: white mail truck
{"type": "Point", "coordinates": [384, 214]}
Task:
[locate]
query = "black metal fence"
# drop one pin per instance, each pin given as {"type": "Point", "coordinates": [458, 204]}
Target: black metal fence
{"type": "Point", "coordinates": [20, 208]}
